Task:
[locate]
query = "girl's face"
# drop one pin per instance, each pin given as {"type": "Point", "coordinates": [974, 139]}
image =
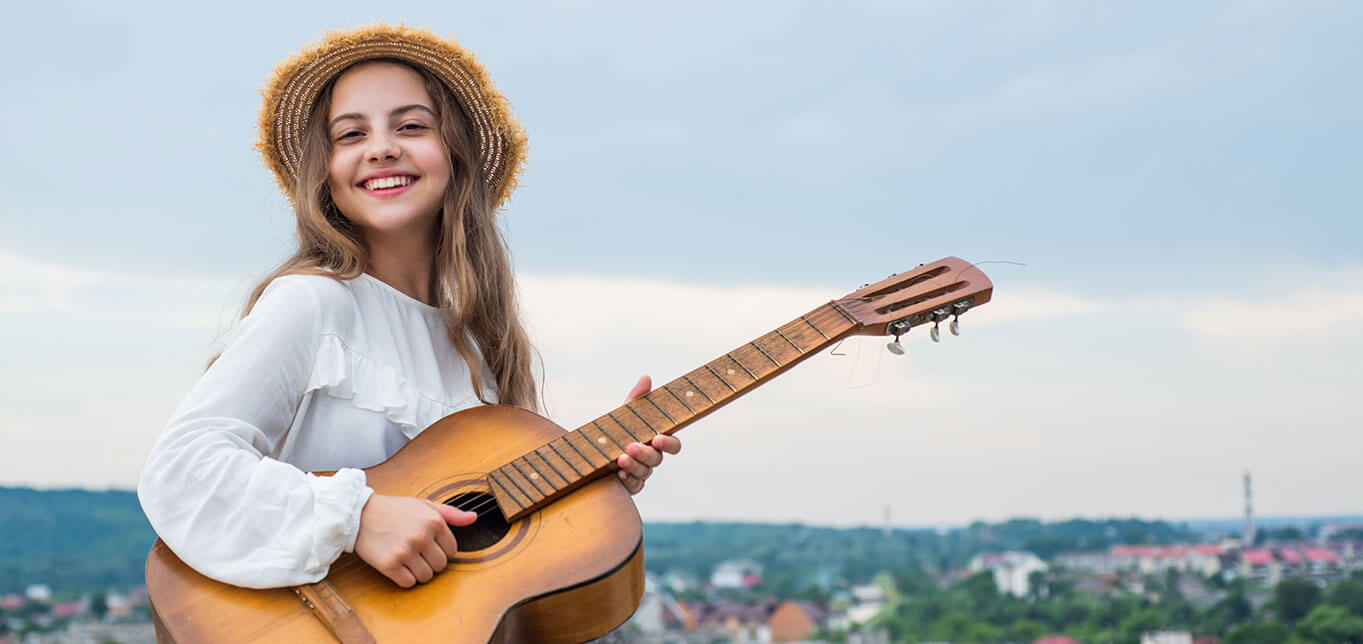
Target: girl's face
{"type": "Point", "coordinates": [389, 168]}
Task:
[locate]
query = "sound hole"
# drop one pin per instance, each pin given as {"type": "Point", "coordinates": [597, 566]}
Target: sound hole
{"type": "Point", "coordinates": [490, 527]}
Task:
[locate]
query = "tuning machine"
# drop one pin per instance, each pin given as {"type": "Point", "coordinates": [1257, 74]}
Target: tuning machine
{"type": "Point", "coordinates": [897, 328]}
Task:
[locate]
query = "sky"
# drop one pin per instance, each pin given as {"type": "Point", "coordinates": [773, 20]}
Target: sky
{"type": "Point", "coordinates": [1166, 193]}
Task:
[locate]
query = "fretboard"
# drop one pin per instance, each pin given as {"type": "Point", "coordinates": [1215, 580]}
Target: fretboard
{"type": "Point", "coordinates": [562, 465]}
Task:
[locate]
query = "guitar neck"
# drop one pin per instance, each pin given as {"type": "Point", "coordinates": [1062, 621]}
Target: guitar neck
{"type": "Point", "coordinates": [560, 466]}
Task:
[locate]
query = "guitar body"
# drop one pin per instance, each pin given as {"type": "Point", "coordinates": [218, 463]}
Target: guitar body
{"type": "Point", "coordinates": [568, 572]}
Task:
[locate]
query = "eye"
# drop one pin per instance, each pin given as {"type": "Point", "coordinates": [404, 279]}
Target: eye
{"type": "Point", "coordinates": [350, 134]}
{"type": "Point", "coordinates": [412, 127]}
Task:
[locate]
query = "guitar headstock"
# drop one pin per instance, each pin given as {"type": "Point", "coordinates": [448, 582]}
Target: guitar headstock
{"type": "Point", "coordinates": [932, 292]}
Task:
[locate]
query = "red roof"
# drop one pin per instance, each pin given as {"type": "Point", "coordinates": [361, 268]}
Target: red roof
{"type": "Point", "coordinates": [66, 609]}
{"type": "Point", "coordinates": [1258, 556]}
{"type": "Point", "coordinates": [1057, 639]}
{"type": "Point", "coordinates": [1321, 554]}
{"type": "Point", "coordinates": [1207, 549]}
{"type": "Point", "coordinates": [1290, 556]}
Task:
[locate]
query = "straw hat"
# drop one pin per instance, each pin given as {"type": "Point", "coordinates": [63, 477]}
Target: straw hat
{"type": "Point", "coordinates": [293, 90]}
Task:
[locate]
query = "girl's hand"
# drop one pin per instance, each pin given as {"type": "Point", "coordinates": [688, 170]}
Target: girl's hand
{"type": "Point", "coordinates": [638, 461]}
{"type": "Point", "coordinates": [407, 539]}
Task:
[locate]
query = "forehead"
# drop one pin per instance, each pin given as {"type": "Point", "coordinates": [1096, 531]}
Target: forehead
{"type": "Point", "coordinates": [374, 88]}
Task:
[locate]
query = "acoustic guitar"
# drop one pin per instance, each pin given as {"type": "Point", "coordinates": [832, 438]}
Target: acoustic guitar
{"type": "Point", "coordinates": [557, 552]}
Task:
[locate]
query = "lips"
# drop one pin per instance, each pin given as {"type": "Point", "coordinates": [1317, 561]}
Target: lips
{"type": "Point", "coordinates": [391, 182]}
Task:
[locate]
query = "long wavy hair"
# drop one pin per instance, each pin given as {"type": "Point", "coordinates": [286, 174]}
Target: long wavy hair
{"type": "Point", "coordinates": [472, 281]}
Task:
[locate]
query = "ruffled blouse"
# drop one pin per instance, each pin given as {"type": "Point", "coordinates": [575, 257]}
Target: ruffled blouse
{"type": "Point", "coordinates": [323, 374]}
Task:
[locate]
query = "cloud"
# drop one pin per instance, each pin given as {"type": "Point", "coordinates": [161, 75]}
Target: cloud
{"type": "Point", "coordinates": [1317, 317]}
{"type": "Point", "coordinates": [1012, 418]}
{"type": "Point", "coordinates": [32, 286]}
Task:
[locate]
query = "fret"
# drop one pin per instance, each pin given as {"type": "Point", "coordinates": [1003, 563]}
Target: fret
{"type": "Point", "coordinates": [764, 352]}
{"type": "Point", "coordinates": [565, 459]}
{"type": "Point", "coordinates": [507, 475]}
{"type": "Point", "coordinates": [641, 417]}
{"type": "Point", "coordinates": [660, 408]}
{"type": "Point", "coordinates": [607, 435]}
{"type": "Point", "coordinates": [838, 307]}
{"type": "Point", "coordinates": [530, 478]}
{"type": "Point", "coordinates": [512, 497]}
{"type": "Point", "coordinates": [721, 378]}
{"type": "Point", "coordinates": [792, 342]}
{"type": "Point", "coordinates": [697, 388]}
{"type": "Point", "coordinates": [816, 328]}
{"type": "Point", "coordinates": [730, 356]}
{"type": "Point", "coordinates": [622, 426]}
{"type": "Point", "coordinates": [549, 465]}
{"type": "Point", "coordinates": [594, 445]}
{"type": "Point", "coordinates": [680, 399]}
{"type": "Point", "coordinates": [568, 438]}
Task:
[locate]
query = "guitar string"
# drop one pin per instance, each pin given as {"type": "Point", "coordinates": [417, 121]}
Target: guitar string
{"type": "Point", "coordinates": [490, 501]}
{"type": "Point", "coordinates": [488, 504]}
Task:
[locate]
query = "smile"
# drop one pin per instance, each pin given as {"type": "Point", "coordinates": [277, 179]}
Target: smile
{"type": "Point", "coordinates": [388, 183]}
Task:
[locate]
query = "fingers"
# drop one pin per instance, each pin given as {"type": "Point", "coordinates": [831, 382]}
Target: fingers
{"type": "Point", "coordinates": [669, 444]}
{"type": "Point", "coordinates": [420, 569]}
{"type": "Point", "coordinates": [644, 454]}
{"type": "Point", "coordinates": [399, 575]}
{"type": "Point", "coordinates": [632, 483]}
{"type": "Point", "coordinates": [642, 387]}
{"type": "Point", "coordinates": [454, 516]}
{"type": "Point", "coordinates": [434, 556]}
{"type": "Point", "coordinates": [408, 540]}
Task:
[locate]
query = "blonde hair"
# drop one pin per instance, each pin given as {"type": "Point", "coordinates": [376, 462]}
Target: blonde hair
{"type": "Point", "coordinates": [472, 281]}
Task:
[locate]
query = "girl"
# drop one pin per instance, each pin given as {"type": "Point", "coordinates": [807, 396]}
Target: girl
{"type": "Point", "coordinates": [397, 309]}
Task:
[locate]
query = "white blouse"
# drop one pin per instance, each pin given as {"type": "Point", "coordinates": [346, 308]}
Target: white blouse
{"type": "Point", "coordinates": [322, 375]}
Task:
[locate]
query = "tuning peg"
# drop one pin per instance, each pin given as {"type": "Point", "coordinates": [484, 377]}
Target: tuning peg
{"type": "Point", "coordinates": [895, 347]}
{"type": "Point", "coordinates": [955, 326]}
{"type": "Point", "coordinates": [935, 333]}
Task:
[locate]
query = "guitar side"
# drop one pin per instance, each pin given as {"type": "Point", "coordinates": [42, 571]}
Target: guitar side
{"type": "Point", "coordinates": [567, 573]}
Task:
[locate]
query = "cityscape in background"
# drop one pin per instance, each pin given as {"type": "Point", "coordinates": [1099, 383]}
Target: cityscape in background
{"type": "Point", "coordinates": [1022, 580]}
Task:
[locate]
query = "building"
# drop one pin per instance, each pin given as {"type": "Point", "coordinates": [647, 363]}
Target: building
{"type": "Point", "coordinates": [1012, 570]}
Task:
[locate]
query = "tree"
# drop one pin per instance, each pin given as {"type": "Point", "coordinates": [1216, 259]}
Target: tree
{"type": "Point", "coordinates": [1257, 633]}
{"type": "Point", "coordinates": [1232, 610]}
{"type": "Point", "coordinates": [1036, 585]}
{"type": "Point", "coordinates": [1294, 598]}
{"type": "Point", "coordinates": [1331, 624]}
{"type": "Point", "coordinates": [1349, 596]}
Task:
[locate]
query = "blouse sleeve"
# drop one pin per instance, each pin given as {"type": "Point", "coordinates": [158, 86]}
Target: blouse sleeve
{"type": "Point", "coordinates": [208, 488]}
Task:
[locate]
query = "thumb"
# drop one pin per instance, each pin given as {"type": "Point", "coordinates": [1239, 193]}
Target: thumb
{"type": "Point", "coordinates": [642, 387]}
{"type": "Point", "coordinates": [454, 516]}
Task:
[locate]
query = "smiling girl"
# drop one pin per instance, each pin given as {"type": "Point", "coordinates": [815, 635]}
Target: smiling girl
{"type": "Point", "coordinates": [397, 308]}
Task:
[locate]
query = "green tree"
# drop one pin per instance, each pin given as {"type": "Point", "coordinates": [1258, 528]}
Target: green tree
{"type": "Point", "coordinates": [1294, 598]}
{"type": "Point", "coordinates": [1257, 633]}
{"type": "Point", "coordinates": [1230, 611]}
{"type": "Point", "coordinates": [1331, 624]}
{"type": "Point", "coordinates": [1036, 585]}
{"type": "Point", "coordinates": [1026, 630]}
{"type": "Point", "coordinates": [1348, 595]}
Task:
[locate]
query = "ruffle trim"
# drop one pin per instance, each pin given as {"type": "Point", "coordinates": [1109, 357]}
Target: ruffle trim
{"type": "Point", "coordinates": [374, 386]}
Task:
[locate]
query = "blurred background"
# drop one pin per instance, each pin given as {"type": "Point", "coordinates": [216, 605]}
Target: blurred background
{"type": "Point", "coordinates": [1166, 193]}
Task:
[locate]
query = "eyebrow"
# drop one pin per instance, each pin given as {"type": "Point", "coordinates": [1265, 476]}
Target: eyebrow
{"type": "Point", "coordinates": [397, 111]}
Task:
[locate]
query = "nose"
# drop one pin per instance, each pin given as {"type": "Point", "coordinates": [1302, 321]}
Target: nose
{"type": "Point", "coordinates": [382, 147]}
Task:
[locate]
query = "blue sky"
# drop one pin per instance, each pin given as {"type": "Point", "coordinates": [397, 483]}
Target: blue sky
{"type": "Point", "coordinates": [1179, 179]}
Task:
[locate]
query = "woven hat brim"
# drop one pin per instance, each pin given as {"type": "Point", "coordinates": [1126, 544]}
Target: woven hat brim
{"type": "Point", "coordinates": [292, 91]}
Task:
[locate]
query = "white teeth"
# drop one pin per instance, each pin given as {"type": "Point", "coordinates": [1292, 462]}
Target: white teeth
{"type": "Point", "coordinates": [387, 182]}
